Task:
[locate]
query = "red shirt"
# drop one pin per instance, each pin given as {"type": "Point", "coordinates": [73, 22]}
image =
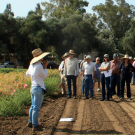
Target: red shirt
{"type": "Point", "coordinates": [114, 67]}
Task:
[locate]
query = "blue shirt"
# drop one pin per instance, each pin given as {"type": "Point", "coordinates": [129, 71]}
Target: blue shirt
{"type": "Point", "coordinates": [125, 73]}
{"type": "Point", "coordinates": [97, 70]}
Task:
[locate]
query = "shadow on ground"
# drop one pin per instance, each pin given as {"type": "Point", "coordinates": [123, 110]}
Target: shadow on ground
{"type": "Point", "coordinates": [88, 132]}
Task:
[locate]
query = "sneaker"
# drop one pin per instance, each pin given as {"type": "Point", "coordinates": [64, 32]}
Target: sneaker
{"type": "Point", "coordinates": [129, 98]}
{"type": "Point", "coordinates": [102, 99]}
{"type": "Point", "coordinates": [68, 96]}
{"type": "Point", "coordinates": [74, 97]}
{"type": "Point", "coordinates": [107, 99]}
{"type": "Point", "coordinates": [91, 98]}
{"type": "Point", "coordinates": [121, 98]}
{"type": "Point", "coordinates": [98, 89]}
{"type": "Point", "coordinates": [29, 125]}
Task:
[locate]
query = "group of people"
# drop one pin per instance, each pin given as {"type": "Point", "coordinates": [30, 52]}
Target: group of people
{"type": "Point", "coordinates": [69, 70]}
{"type": "Point", "coordinates": [121, 71]}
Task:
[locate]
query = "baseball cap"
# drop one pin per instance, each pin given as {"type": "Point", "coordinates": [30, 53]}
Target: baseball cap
{"type": "Point", "coordinates": [115, 55]}
{"type": "Point", "coordinates": [84, 56]}
{"type": "Point", "coordinates": [106, 56]}
{"type": "Point", "coordinates": [88, 57]}
{"type": "Point", "coordinates": [97, 58]}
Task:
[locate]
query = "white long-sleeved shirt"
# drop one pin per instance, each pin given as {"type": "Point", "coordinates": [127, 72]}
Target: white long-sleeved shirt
{"type": "Point", "coordinates": [70, 66]}
{"type": "Point", "coordinates": [37, 74]}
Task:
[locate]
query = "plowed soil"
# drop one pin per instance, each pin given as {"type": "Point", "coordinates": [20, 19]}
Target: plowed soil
{"type": "Point", "coordinates": [91, 117]}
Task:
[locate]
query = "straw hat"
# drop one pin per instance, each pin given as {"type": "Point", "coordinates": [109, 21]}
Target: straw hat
{"type": "Point", "coordinates": [65, 55]}
{"type": "Point", "coordinates": [72, 52]}
{"type": "Point", "coordinates": [88, 57]}
{"type": "Point", "coordinates": [126, 57]}
{"type": "Point", "coordinates": [38, 55]}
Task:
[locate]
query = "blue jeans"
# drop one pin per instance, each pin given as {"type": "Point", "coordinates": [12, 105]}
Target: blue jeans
{"type": "Point", "coordinates": [105, 81]}
{"type": "Point", "coordinates": [83, 85]}
{"type": "Point", "coordinates": [88, 85]}
{"type": "Point", "coordinates": [133, 78]}
{"type": "Point", "coordinates": [69, 77]}
{"type": "Point", "coordinates": [115, 79]}
{"type": "Point", "coordinates": [37, 96]}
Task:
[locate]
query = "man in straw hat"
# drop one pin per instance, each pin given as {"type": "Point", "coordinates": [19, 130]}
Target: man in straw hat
{"type": "Point", "coordinates": [125, 68]}
{"type": "Point", "coordinates": [88, 70]}
{"type": "Point", "coordinates": [115, 78]}
{"type": "Point", "coordinates": [61, 68]}
{"type": "Point", "coordinates": [71, 71]}
{"type": "Point", "coordinates": [133, 72]}
{"type": "Point", "coordinates": [37, 74]}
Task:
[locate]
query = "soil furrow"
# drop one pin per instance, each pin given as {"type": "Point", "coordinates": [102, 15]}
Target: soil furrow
{"type": "Point", "coordinates": [124, 120]}
{"type": "Point", "coordinates": [112, 119]}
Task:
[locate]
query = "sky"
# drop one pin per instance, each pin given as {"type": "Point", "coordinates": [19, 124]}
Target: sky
{"type": "Point", "coordinates": [22, 7]}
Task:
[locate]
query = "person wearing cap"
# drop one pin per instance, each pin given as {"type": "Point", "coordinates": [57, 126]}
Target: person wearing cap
{"type": "Point", "coordinates": [37, 74]}
{"type": "Point", "coordinates": [71, 71]}
{"type": "Point", "coordinates": [105, 66]}
{"type": "Point", "coordinates": [133, 72]}
{"type": "Point", "coordinates": [83, 81]}
{"type": "Point", "coordinates": [88, 70]}
{"type": "Point", "coordinates": [97, 77]}
{"type": "Point", "coordinates": [61, 68]}
{"type": "Point", "coordinates": [125, 69]}
{"type": "Point", "coordinates": [115, 78]}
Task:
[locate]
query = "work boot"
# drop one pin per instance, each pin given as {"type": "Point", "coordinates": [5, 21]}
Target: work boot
{"type": "Point", "coordinates": [37, 128]}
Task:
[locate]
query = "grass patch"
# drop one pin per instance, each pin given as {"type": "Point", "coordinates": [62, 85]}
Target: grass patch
{"type": "Point", "coordinates": [13, 101]}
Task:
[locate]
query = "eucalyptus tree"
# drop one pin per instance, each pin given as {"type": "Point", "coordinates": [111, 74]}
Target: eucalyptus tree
{"type": "Point", "coordinates": [64, 8]}
{"type": "Point", "coordinates": [117, 16]}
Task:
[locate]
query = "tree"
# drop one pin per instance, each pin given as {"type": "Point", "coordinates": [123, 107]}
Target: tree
{"type": "Point", "coordinates": [7, 33]}
{"type": "Point", "coordinates": [72, 33]}
{"type": "Point", "coordinates": [64, 8]}
{"type": "Point", "coordinates": [38, 9]}
{"type": "Point", "coordinates": [8, 11]}
{"type": "Point", "coordinates": [33, 33]}
{"type": "Point", "coordinates": [107, 44]}
{"type": "Point", "coordinates": [117, 16]}
{"type": "Point", "coordinates": [129, 40]}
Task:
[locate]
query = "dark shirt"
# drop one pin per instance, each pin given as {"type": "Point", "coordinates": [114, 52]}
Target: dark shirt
{"type": "Point", "coordinates": [125, 73]}
{"type": "Point", "coordinates": [97, 70]}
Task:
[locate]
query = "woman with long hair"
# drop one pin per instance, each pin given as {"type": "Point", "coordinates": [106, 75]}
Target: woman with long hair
{"type": "Point", "coordinates": [105, 66]}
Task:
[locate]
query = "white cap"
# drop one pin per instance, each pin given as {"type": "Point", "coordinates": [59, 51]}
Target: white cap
{"type": "Point", "coordinates": [88, 57]}
{"type": "Point", "coordinates": [97, 58]}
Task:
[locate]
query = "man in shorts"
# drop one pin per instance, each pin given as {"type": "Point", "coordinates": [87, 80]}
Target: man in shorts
{"type": "Point", "coordinates": [61, 68]}
{"type": "Point", "coordinates": [97, 77]}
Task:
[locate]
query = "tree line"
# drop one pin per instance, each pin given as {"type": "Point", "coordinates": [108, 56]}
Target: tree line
{"type": "Point", "coordinates": [68, 26]}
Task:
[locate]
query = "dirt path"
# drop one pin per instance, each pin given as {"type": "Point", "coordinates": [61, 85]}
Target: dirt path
{"type": "Point", "coordinates": [91, 117]}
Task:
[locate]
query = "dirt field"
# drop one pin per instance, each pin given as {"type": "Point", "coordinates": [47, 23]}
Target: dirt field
{"type": "Point", "coordinates": [91, 117]}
